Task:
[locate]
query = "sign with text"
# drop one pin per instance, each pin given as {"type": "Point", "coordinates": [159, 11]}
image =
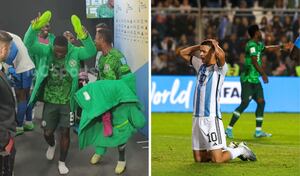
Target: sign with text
{"type": "Point", "coordinates": [176, 94]}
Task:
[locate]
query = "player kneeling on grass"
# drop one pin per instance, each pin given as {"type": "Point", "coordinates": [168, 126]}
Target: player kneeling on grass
{"type": "Point", "coordinates": [208, 136]}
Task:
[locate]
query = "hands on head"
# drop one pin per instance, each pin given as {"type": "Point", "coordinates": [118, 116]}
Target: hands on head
{"type": "Point", "coordinates": [213, 41]}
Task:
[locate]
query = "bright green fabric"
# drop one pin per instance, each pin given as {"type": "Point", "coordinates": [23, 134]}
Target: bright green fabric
{"type": "Point", "coordinates": [298, 70]}
{"type": "Point", "coordinates": [104, 11]}
{"type": "Point", "coordinates": [233, 70]}
{"type": "Point", "coordinates": [112, 66]}
{"type": "Point", "coordinates": [120, 98]}
{"type": "Point", "coordinates": [45, 55]}
{"type": "Point", "coordinates": [35, 58]}
{"type": "Point", "coordinates": [81, 34]}
{"type": "Point", "coordinates": [249, 72]}
{"type": "Point", "coordinates": [42, 20]}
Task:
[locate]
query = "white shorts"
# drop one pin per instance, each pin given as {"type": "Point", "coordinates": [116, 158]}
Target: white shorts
{"type": "Point", "coordinates": [208, 133]}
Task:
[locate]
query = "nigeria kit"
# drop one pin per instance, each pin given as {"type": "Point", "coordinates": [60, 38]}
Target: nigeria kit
{"type": "Point", "coordinates": [104, 11]}
{"type": "Point", "coordinates": [112, 66]}
{"type": "Point", "coordinates": [251, 86]}
{"type": "Point", "coordinates": [56, 80]}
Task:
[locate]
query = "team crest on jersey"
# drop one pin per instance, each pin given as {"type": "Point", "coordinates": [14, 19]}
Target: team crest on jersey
{"type": "Point", "coordinates": [252, 50]}
{"type": "Point", "coordinates": [44, 123]}
{"type": "Point", "coordinates": [106, 68]}
{"type": "Point", "coordinates": [123, 60]}
{"type": "Point", "coordinates": [72, 63]}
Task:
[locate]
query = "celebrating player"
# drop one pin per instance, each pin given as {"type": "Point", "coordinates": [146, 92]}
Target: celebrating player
{"type": "Point", "coordinates": [57, 81]}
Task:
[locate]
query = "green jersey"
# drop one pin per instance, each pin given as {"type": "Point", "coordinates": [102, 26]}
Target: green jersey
{"type": "Point", "coordinates": [249, 73]}
{"type": "Point", "coordinates": [112, 66]}
{"type": "Point", "coordinates": [59, 83]}
{"type": "Point", "coordinates": [105, 12]}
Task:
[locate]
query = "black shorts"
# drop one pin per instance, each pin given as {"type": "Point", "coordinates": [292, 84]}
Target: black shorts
{"type": "Point", "coordinates": [251, 91]}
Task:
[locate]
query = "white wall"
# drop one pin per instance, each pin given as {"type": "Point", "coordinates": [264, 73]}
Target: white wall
{"type": "Point", "coordinates": [131, 32]}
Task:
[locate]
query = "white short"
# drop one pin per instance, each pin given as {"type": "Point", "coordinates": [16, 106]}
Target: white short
{"type": "Point", "coordinates": [208, 133]}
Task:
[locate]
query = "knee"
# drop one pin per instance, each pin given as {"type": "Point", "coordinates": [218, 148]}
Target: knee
{"type": "Point", "coordinates": [245, 103]}
{"type": "Point", "coordinates": [65, 132]}
{"type": "Point", "coordinates": [216, 160]}
{"type": "Point", "coordinates": [197, 159]}
{"type": "Point", "coordinates": [261, 102]}
{"type": "Point", "coordinates": [48, 133]}
{"type": "Point", "coordinates": [21, 95]}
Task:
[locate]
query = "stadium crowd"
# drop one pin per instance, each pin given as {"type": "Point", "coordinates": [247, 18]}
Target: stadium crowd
{"type": "Point", "coordinates": [174, 31]}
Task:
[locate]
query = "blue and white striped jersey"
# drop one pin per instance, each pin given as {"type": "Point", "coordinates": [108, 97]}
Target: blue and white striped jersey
{"type": "Point", "coordinates": [208, 88]}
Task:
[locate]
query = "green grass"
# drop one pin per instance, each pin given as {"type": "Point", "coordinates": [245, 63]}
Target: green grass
{"type": "Point", "coordinates": [278, 155]}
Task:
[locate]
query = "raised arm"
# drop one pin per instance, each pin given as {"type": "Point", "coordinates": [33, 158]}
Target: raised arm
{"type": "Point", "coordinates": [274, 48]}
{"type": "Point", "coordinates": [186, 53]}
{"type": "Point", "coordinates": [89, 49]}
{"type": "Point", "coordinates": [31, 36]}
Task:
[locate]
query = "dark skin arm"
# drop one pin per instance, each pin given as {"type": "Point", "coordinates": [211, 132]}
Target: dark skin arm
{"type": "Point", "coordinates": [259, 69]}
{"type": "Point", "coordinates": [274, 48]}
{"type": "Point", "coordinates": [186, 53]}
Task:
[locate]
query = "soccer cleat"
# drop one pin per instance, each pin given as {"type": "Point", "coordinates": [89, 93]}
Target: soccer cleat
{"type": "Point", "coordinates": [233, 144]}
{"type": "Point", "coordinates": [229, 133]}
{"type": "Point", "coordinates": [28, 126]}
{"type": "Point", "coordinates": [95, 159]}
{"type": "Point", "coordinates": [50, 152]}
{"type": "Point", "coordinates": [78, 28]}
{"type": "Point", "coordinates": [120, 168]}
{"type": "Point", "coordinates": [41, 21]}
{"type": "Point", "coordinates": [19, 131]}
{"type": "Point", "coordinates": [259, 134]}
{"type": "Point", "coordinates": [248, 154]}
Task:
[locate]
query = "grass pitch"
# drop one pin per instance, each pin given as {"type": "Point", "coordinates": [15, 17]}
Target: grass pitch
{"type": "Point", "coordinates": [278, 155]}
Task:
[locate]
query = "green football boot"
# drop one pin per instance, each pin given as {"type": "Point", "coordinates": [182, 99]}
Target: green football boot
{"type": "Point", "coordinates": [42, 20]}
{"type": "Point", "coordinates": [78, 28]}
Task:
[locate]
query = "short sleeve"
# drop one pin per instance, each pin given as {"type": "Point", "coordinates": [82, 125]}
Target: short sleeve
{"type": "Point", "coordinates": [253, 50]}
{"type": "Point", "coordinates": [12, 54]}
{"type": "Point", "coordinates": [224, 69]}
{"type": "Point", "coordinates": [196, 63]}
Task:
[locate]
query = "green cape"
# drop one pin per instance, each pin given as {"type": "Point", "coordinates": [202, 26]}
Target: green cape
{"type": "Point", "coordinates": [117, 96]}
